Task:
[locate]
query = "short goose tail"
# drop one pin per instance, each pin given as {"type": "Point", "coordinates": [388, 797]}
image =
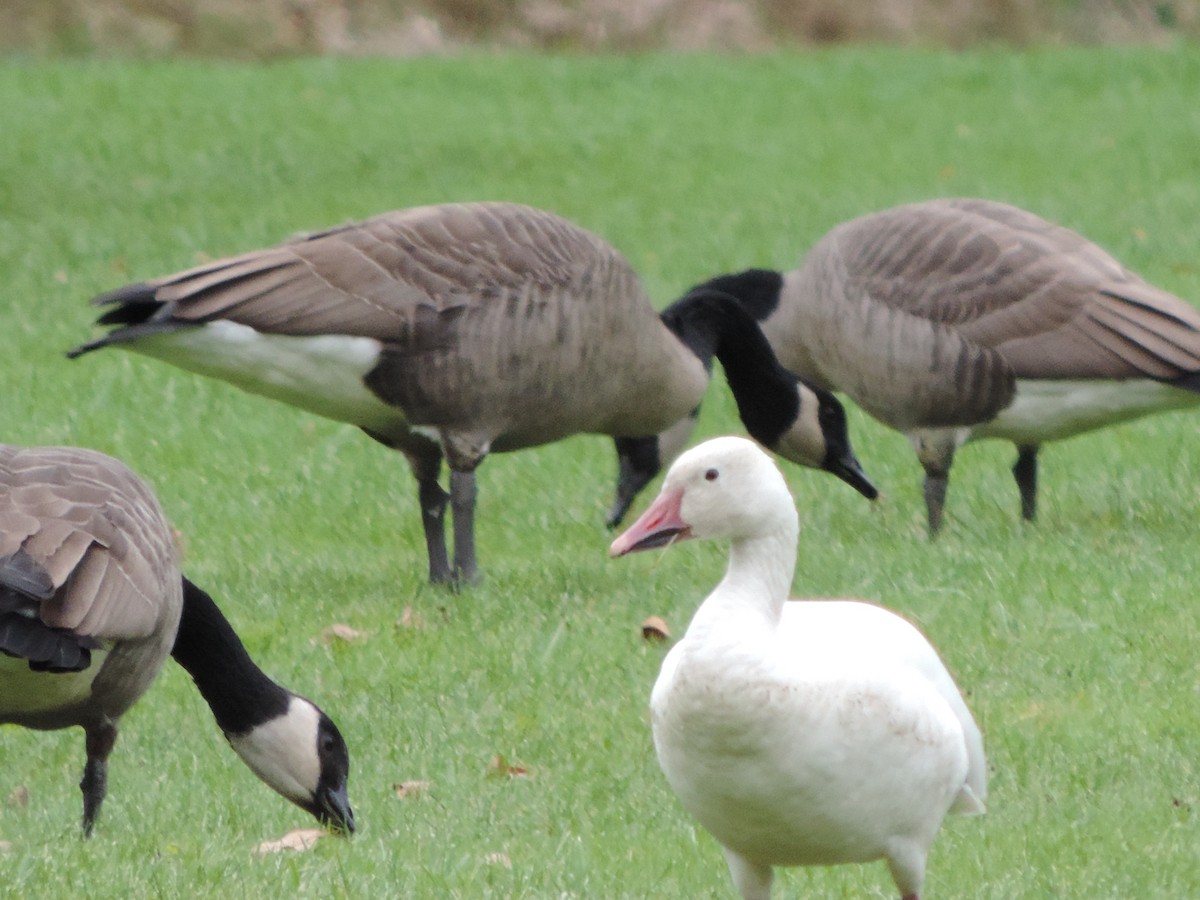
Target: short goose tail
{"type": "Point", "coordinates": [134, 315]}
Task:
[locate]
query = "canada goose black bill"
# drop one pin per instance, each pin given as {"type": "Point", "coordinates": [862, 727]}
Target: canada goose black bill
{"type": "Point", "coordinates": [451, 332]}
{"type": "Point", "coordinates": [954, 320]}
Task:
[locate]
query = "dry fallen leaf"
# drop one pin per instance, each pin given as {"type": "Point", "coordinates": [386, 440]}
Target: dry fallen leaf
{"type": "Point", "coordinates": [341, 632]}
{"type": "Point", "coordinates": [499, 767]}
{"type": "Point", "coordinates": [300, 839]}
{"type": "Point", "coordinates": [498, 859]}
{"type": "Point", "coordinates": [655, 629]}
{"type": "Point", "coordinates": [410, 619]}
{"type": "Point", "coordinates": [19, 797]}
{"type": "Point", "coordinates": [407, 789]}
{"type": "Point", "coordinates": [6, 846]}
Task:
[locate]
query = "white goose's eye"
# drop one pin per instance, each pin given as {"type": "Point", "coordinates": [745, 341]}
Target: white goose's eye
{"type": "Point", "coordinates": [711, 475]}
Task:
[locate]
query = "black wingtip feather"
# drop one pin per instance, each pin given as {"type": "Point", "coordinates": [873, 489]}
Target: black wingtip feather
{"type": "Point", "coordinates": [47, 649]}
{"type": "Point", "coordinates": [21, 573]}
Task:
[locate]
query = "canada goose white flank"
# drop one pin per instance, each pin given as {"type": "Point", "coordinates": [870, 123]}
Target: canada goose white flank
{"type": "Point", "coordinates": [92, 602]}
{"type": "Point", "coordinates": [802, 733]}
{"type": "Point", "coordinates": [451, 332]}
{"type": "Point", "coordinates": [953, 320]}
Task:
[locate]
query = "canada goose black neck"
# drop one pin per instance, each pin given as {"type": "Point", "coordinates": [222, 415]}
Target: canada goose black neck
{"type": "Point", "coordinates": [758, 290]}
{"type": "Point", "coordinates": [239, 693]}
{"type": "Point", "coordinates": [713, 323]}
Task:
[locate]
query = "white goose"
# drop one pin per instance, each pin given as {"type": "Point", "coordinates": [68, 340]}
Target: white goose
{"type": "Point", "coordinates": [809, 733]}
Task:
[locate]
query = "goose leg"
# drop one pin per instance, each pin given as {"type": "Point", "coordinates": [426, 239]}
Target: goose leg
{"type": "Point", "coordinates": [935, 486]}
{"type": "Point", "coordinates": [935, 450]}
{"type": "Point", "coordinates": [752, 880]}
{"type": "Point", "coordinates": [99, 742]}
{"type": "Point", "coordinates": [433, 502]}
{"type": "Point", "coordinates": [637, 463]}
{"type": "Point", "coordinates": [462, 502]}
{"type": "Point", "coordinates": [906, 862]}
{"type": "Point", "coordinates": [1025, 472]}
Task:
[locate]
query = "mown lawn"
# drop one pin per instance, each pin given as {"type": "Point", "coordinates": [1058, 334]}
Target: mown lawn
{"type": "Point", "coordinates": [1075, 639]}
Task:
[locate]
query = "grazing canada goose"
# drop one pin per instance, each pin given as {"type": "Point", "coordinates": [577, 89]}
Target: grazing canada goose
{"type": "Point", "coordinates": [458, 330]}
{"type": "Point", "coordinates": [805, 733]}
{"type": "Point", "coordinates": [953, 320]}
{"type": "Point", "coordinates": [91, 603]}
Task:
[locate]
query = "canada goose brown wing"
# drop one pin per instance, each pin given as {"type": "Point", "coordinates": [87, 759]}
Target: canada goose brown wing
{"type": "Point", "coordinates": [1052, 303]}
{"type": "Point", "coordinates": [872, 333]}
{"type": "Point", "coordinates": [391, 277]}
{"type": "Point", "coordinates": [83, 536]}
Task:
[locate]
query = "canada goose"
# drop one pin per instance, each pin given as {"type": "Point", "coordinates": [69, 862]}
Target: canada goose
{"type": "Point", "coordinates": [91, 603]}
{"type": "Point", "coordinates": [953, 320]}
{"type": "Point", "coordinates": [458, 330]}
{"type": "Point", "coordinates": [798, 733]}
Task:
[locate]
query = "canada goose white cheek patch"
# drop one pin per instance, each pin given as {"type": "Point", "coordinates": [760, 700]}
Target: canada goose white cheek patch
{"type": "Point", "coordinates": [322, 374]}
{"type": "Point", "coordinates": [283, 751]}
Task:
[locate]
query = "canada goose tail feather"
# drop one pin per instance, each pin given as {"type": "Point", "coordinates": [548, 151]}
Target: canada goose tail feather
{"type": "Point", "coordinates": [129, 335]}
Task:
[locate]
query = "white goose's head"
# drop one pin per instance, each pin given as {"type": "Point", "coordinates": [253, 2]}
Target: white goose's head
{"type": "Point", "coordinates": [726, 488]}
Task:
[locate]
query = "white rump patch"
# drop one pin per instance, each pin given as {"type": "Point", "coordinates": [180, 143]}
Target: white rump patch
{"type": "Point", "coordinates": [1049, 410]}
{"type": "Point", "coordinates": [283, 751]}
{"type": "Point", "coordinates": [322, 374]}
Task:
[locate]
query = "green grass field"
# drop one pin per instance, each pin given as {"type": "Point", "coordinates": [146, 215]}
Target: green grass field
{"type": "Point", "coordinates": [1076, 640]}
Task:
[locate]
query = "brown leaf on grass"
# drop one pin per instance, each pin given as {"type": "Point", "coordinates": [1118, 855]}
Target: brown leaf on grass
{"type": "Point", "coordinates": [299, 839]}
{"type": "Point", "coordinates": [408, 789]}
{"type": "Point", "coordinates": [655, 629]}
{"type": "Point", "coordinates": [6, 846]}
{"type": "Point", "coordinates": [410, 619]}
{"type": "Point", "coordinates": [341, 633]}
{"type": "Point", "coordinates": [499, 767]}
{"type": "Point", "coordinates": [19, 797]}
{"type": "Point", "coordinates": [61, 277]}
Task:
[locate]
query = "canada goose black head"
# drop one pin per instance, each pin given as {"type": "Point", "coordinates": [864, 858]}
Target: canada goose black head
{"type": "Point", "coordinates": [788, 415]}
{"type": "Point", "coordinates": [301, 755]}
{"type": "Point", "coordinates": [285, 739]}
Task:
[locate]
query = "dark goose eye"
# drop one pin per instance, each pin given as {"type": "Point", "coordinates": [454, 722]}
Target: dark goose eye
{"type": "Point", "coordinates": [711, 475]}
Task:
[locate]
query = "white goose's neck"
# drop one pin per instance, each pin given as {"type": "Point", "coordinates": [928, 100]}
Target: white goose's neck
{"type": "Point", "coordinates": [755, 587]}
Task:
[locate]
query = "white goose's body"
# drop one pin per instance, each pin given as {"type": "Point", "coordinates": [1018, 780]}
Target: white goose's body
{"type": "Point", "coordinates": [799, 733]}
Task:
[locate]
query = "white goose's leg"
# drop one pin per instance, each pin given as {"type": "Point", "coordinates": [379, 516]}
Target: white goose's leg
{"type": "Point", "coordinates": [906, 862]}
{"type": "Point", "coordinates": [752, 880]}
